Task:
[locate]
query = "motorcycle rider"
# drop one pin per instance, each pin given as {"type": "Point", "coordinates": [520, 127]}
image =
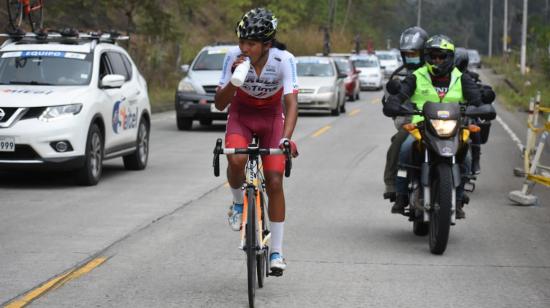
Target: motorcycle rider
{"type": "Point", "coordinates": [411, 46]}
{"type": "Point", "coordinates": [437, 80]}
{"type": "Point", "coordinates": [487, 96]}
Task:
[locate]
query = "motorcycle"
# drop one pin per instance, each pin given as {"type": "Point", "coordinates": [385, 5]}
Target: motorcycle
{"type": "Point", "coordinates": [441, 143]}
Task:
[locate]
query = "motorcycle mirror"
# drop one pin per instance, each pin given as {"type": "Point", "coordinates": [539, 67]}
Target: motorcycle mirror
{"type": "Point", "coordinates": [393, 86]}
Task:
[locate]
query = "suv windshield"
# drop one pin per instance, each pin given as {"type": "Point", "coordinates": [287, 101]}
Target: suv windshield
{"type": "Point", "coordinates": [365, 63]}
{"type": "Point", "coordinates": [209, 60]}
{"type": "Point", "coordinates": [385, 56]}
{"type": "Point", "coordinates": [56, 68]}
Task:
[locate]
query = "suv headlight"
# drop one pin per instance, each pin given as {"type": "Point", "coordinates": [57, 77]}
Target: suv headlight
{"type": "Point", "coordinates": [60, 112]}
{"type": "Point", "coordinates": [444, 128]}
{"type": "Point", "coordinates": [326, 89]}
{"type": "Point", "coordinates": [186, 86]}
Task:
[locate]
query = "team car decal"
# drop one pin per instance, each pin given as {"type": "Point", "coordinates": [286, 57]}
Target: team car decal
{"type": "Point", "coordinates": [26, 91]}
{"type": "Point", "coordinates": [44, 53]}
{"type": "Point", "coordinates": [124, 117]}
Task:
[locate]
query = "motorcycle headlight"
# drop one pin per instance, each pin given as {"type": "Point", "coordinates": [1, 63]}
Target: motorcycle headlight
{"type": "Point", "coordinates": [60, 112]}
{"type": "Point", "coordinates": [185, 86]}
{"type": "Point", "coordinates": [325, 89]}
{"type": "Point", "coordinates": [444, 128]}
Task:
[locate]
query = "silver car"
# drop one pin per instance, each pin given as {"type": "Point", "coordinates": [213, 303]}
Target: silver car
{"type": "Point", "coordinates": [321, 85]}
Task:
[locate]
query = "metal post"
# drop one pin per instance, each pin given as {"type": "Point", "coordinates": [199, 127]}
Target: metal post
{"type": "Point", "coordinates": [419, 14]}
{"type": "Point", "coordinates": [491, 29]}
{"type": "Point", "coordinates": [524, 38]}
{"type": "Point", "coordinates": [505, 29]}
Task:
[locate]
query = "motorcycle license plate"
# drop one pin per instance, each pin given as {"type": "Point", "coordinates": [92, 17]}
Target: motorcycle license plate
{"type": "Point", "coordinates": [7, 144]}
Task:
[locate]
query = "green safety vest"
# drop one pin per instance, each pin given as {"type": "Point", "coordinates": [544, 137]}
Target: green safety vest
{"type": "Point", "coordinates": [425, 91]}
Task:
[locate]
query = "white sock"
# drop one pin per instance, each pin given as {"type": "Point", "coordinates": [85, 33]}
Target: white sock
{"type": "Point", "coordinates": [277, 230]}
{"type": "Point", "coordinates": [238, 196]}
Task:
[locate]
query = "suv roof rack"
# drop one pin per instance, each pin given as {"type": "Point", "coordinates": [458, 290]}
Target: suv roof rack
{"type": "Point", "coordinates": [63, 36]}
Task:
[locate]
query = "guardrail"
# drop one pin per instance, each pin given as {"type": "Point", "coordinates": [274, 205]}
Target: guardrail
{"type": "Point", "coordinates": [533, 171]}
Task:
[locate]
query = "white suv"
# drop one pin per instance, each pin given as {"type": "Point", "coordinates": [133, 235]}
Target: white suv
{"type": "Point", "coordinates": [196, 91]}
{"type": "Point", "coordinates": [71, 101]}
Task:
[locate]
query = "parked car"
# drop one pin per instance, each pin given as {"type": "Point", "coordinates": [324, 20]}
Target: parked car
{"type": "Point", "coordinates": [351, 83]}
{"type": "Point", "coordinates": [474, 58]}
{"type": "Point", "coordinates": [321, 86]}
{"type": "Point", "coordinates": [195, 92]}
{"type": "Point", "coordinates": [371, 76]}
{"type": "Point", "coordinates": [388, 61]}
{"type": "Point", "coordinates": [70, 101]}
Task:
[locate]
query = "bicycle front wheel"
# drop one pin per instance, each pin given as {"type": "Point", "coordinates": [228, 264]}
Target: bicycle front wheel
{"type": "Point", "coordinates": [15, 13]}
{"type": "Point", "coordinates": [251, 244]}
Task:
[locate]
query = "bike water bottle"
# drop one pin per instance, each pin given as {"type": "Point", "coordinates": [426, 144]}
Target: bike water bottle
{"type": "Point", "coordinates": [239, 75]}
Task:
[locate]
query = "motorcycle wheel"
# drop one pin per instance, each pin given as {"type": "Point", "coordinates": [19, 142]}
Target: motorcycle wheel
{"type": "Point", "coordinates": [440, 215]}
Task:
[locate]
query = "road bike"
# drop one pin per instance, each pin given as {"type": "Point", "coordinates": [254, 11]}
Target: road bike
{"type": "Point", "coordinates": [31, 9]}
{"type": "Point", "coordinates": [254, 227]}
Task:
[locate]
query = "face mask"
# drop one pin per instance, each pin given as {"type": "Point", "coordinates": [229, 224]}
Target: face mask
{"type": "Point", "coordinates": [412, 60]}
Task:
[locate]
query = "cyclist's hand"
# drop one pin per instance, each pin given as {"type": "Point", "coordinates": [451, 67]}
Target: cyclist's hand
{"type": "Point", "coordinates": [293, 147]}
{"type": "Point", "coordinates": [238, 61]}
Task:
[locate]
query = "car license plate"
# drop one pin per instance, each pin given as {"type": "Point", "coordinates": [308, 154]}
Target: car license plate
{"type": "Point", "coordinates": [304, 99]}
{"type": "Point", "coordinates": [213, 108]}
{"type": "Point", "coordinates": [7, 144]}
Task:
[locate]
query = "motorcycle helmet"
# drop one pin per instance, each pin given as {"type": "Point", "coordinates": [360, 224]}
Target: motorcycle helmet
{"type": "Point", "coordinates": [411, 46]}
{"type": "Point", "coordinates": [258, 24]}
{"type": "Point", "coordinates": [439, 52]}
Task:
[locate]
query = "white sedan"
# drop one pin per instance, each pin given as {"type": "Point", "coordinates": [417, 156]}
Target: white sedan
{"type": "Point", "coordinates": [321, 85]}
{"type": "Point", "coordinates": [372, 75]}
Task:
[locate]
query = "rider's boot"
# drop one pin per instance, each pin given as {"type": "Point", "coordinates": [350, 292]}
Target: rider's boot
{"type": "Point", "coordinates": [460, 214]}
{"type": "Point", "coordinates": [277, 264]}
{"type": "Point", "coordinates": [476, 153]}
{"type": "Point", "coordinates": [401, 202]}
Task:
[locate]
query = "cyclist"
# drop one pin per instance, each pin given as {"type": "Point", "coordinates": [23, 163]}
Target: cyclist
{"type": "Point", "coordinates": [437, 80]}
{"type": "Point", "coordinates": [256, 108]}
{"type": "Point", "coordinates": [411, 46]}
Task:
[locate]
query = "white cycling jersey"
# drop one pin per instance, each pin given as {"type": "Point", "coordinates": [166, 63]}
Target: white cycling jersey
{"type": "Point", "coordinates": [278, 78]}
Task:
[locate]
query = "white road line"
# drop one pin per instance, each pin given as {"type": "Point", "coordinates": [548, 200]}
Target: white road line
{"type": "Point", "coordinates": [511, 133]}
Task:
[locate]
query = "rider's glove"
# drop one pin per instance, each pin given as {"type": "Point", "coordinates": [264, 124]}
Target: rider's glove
{"type": "Point", "coordinates": [293, 147]}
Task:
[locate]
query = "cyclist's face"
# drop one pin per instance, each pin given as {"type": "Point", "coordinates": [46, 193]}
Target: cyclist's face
{"type": "Point", "coordinates": [253, 49]}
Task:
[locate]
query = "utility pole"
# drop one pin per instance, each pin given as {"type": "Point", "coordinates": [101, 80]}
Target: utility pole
{"type": "Point", "coordinates": [505, 29]}
{"type": "Point", "coordinates": [524, 38]}
{"type": "Point", "coordinates": [491, 29]}
{"type": "Point", "coordinates": [419, 14]}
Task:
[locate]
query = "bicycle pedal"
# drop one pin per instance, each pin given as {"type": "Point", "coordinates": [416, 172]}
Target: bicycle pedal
{"type": "Point", "coordinates": [276, 272]}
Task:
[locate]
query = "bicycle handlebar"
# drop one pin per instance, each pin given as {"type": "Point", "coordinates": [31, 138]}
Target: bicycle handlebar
{"type": "Point", "coordinates": [251, 150]}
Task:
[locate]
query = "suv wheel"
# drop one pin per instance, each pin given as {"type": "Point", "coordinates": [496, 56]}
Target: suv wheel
{"type": "Point", "coordinates": [138, 159]}
{"type": "Point", "coordinates": [89, 174]}
{"type": "Point", "coordinates": [184, 123]}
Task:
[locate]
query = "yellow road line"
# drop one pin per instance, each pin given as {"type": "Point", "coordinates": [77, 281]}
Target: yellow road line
{"type": "Point", "coordinates": [375, 101]}
{"type": "Point", "coordinates": [55, 283]}
{"type": "Point", "coordinates": [321, 131]}
{"type": "Point", "coordinates": [354, 112]}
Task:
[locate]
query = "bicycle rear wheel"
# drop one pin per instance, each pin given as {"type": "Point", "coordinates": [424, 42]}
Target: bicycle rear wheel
{"type": "Point", "coordinates": [36, 15]}
{"type": "Point", "coordinates": [15, 13]}
{"type": "Point", "coordinates": [251, 261]}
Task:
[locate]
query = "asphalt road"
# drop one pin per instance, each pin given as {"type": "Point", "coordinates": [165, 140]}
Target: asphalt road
{"type": "Point", "coordinates": [164, 241]}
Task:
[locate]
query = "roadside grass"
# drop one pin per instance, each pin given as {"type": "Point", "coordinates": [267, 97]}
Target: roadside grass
{"type": "Point", "coordinates": [516, 90]}
{"type": "Point", "coordinates": [162, 99]}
